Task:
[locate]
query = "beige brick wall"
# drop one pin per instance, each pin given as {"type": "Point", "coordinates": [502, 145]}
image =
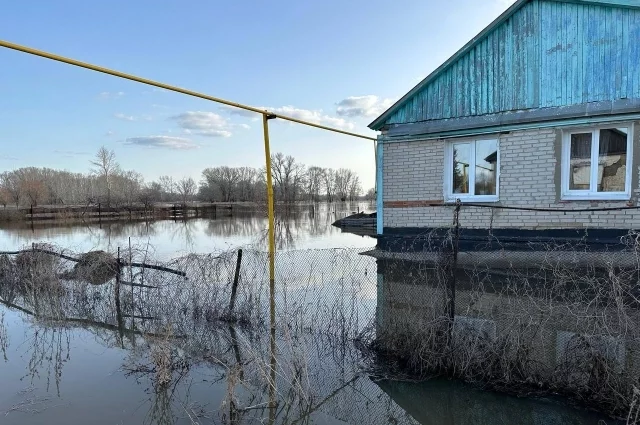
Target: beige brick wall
{"type": "Point", "coordinates": [529, 177]}
{"type": "Point", "coordinates": [410, 301]}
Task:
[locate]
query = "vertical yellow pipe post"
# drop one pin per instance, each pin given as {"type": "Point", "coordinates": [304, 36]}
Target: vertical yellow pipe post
{"type": "Point", "coordinates": [270, 209]}
{"type": "Point", "coordinates": [272, 270]}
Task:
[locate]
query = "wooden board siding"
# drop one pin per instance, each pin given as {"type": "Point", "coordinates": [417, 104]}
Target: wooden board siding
{"type": "Point", "coordinates": [547, 54]}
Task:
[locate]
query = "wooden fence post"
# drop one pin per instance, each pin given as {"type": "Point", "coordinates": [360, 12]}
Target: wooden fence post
{"type": "Point", "coordinates": [117, 298]}
{"type": "Point", "coordinates": [454, 265]}
{"type": "Point", "coordinates": [234, 287]}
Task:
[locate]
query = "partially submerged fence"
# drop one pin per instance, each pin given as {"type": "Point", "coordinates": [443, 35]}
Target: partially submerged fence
{"type": "Point", "coordinates": [526, 316]}
{"type": "Point", "coordinates": [518, 299]}
{"type": "Point", "coordinates": [99, 212]}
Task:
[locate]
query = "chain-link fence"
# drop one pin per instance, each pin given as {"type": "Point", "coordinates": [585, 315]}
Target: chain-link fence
{"type": "Point", "coordinates": [526, 311]}
{"type": "Point", "coordinates": [176, 315]}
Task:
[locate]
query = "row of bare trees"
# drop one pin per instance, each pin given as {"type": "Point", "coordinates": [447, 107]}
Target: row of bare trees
{"type": "Point", "coordinates": [109, 184]}
{"type": "Point", "coordinates": [106, 183]}
{"type": "Point", "coordinates": [292, 181]}
{"type": "Point", "coordinates": [36, 186]}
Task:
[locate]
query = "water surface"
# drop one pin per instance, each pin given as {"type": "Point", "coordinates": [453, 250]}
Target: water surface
{"type": "Point", "coordinates": [303, 227]}
{"type": "Point", "coordinates": [72, 354]}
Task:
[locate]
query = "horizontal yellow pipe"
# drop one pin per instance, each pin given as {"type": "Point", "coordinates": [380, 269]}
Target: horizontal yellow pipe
{"type": "Point", "coordinates": [169, 87]}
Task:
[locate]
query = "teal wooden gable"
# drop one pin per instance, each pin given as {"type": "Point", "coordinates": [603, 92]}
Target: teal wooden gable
{"type": "Point", "coordinates": [538, 54]}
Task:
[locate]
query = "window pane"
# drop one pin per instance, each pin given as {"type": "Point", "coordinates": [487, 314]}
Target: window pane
{"type": "Point", "coordinates": [612, 160]}
{"type": "Point", "coordinates": [580, 161]}
{"type": "Point", "coordinates": [461, 157]}
{"type": "Point", "coordinates": [486, 166]}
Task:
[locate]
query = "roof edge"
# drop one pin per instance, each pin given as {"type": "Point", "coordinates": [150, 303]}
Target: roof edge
{"type": "Point", "coordinates": [527, 116]}
{"type": "Point", "coordinates": [377, 123]}
{"type": "Point", "coordinates": [633, 4]}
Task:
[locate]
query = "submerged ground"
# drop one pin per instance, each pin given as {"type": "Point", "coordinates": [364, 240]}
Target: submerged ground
{"type": "Point", "coordinates": [167, 354]}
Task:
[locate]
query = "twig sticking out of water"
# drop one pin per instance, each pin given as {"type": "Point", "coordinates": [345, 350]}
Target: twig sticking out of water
{"type": "Point", "coordinates": [32, 404]}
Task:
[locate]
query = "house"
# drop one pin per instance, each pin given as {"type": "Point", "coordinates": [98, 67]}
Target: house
{"type": "Point", "coordinates": [532, 122]}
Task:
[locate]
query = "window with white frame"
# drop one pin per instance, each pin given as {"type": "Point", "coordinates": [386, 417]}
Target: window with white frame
{"type": "Point", "coordinates": [596, 163]}
{"type": "Point", "coordinates": [472, 169]}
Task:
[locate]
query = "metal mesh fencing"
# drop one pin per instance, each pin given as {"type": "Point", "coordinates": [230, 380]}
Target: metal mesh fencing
{"type": "Point", "coordinates": [176, 316]}
{"type": "Point", "coordinates": [529, 313]}
{"type": "Point", "coordinates": [523, 310]}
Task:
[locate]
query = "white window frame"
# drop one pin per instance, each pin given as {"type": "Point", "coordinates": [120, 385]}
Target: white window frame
{"type": "Point", "coordinates": [449, 196]}
{"type": "Point", "coordinates": [565, 166]}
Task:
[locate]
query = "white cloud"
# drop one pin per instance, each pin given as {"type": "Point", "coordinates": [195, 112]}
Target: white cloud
{"type": "Point", "coordinates": [245, 126]}
{"type": "Point", "coordinates": [207, 124]}
{"type": "Point", "coordinates": [122, 116]}
{"type": "Point", "coordinates": [168, 142]}
{"type": "Point", "coordinates": [316, 116]}
{"type": "Point", "coordinates": [363, 106]}
{"type": "Point", "coordinates": [240, 112]}
{"type": "Point", "coordinates": [8, 158]}
{"type": "Point", "coordinates": [109, 133]}
{"type": "Point", "coordinates": [107, 95]}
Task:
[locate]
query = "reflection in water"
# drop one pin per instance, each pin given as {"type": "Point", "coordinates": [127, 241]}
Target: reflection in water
{"type": "Point", "coordinates": [570, 329]}
{"type": "Point", "coordinates": [4, 337]}
{"type": "Point", "coordinates": [298, 228]}
{"type": "Point", "coordinates": [450, 402]}
{"type": "Point", "coordinates": [160, 354]}
{"type": "Point", "coordinates": [48, 350]}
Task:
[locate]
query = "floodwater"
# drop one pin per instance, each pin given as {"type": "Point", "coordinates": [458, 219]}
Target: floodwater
{"type": "Point", "coordinates": [66, 374]}
{"type": "Point", "coordinates": [306, 227]}
{"type": "Point", "coordinates": [75, 354]}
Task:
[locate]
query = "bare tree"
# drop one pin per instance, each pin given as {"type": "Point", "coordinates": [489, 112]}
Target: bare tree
{"type": "Point", "coordinates": [150, 194]}
{"type": "Point", "coordinates": [288, 177]}
{"type": "Point", "coordinates": [343, 181]}
{"type": "Point", "coordinates": [247, 179]}
{"type": "Point", "coordinates": [34, 189]}
{"type": "Point", "coordinates": [330, 184]}
{"type": "Point", "coordinates": [186, 189]}
{"type": "Point", "coordinates": [5, 197]}
{"type": "Point", "coordinates": [126, 187]}
{"type": "Point", "coordinates": [370, 195]}
{"type": "Point", "coordinates": [105, 166]}
{"type": "Point", "coordinates": [168, 186]}
{"type": "Point", "coordinates": [11, 184]}
{"type": "Point", "coordinates": [315, 181]}
{"type": "Point", "coordinates": [223, 179]}
{"type": "Point", "coordinates": [355, 189]}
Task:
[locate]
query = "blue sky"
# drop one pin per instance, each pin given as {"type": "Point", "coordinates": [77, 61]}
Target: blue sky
{"type": "Point", "coordinates": [339, 63]}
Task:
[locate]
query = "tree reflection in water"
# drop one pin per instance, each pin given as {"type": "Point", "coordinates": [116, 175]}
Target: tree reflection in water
{"type": "Point", "coordinates": [300, 223]}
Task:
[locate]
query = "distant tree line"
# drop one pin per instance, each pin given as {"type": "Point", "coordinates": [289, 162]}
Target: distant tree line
{"type": "Point", "coordinates": [109, 184]}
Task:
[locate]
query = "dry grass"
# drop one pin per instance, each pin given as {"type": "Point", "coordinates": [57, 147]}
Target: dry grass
{"type": "Point", "coordinates": [556, 325]}
{"type": "Point", "coordinates": [4, 337]}
{"type": "Point", "coordinates": [32, 404]}
{"type": "Point", "coordinates": [327, 298]}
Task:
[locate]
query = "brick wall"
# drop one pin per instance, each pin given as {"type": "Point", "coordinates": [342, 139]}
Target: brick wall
{"type": "Point", "coordinates": [529, 177]}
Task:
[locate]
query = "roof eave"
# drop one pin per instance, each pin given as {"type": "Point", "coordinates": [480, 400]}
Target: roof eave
{"type": "Point", "coordinates": [379, 122]}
